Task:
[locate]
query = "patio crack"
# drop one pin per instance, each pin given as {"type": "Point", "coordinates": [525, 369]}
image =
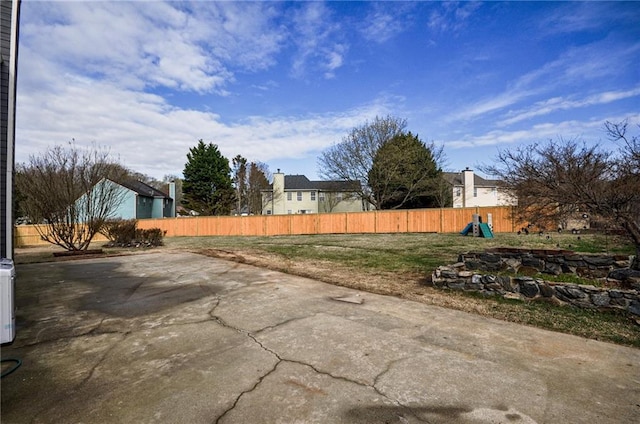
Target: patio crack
{"type": "Point", "coordinates": [255, 386]}
{"type": "Point", "coordinates": [282, 359]}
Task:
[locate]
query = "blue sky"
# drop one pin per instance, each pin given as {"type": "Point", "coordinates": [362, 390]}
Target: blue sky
{"type": "Point", "coordinates": [279, 82]}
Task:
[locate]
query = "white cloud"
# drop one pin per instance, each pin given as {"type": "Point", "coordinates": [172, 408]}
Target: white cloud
{"type": "Point", "coordinates": [598, 61]}
{"type": "Point", "coordinates": [452, 16]}
{"type": "Point", "coordinates": [317, 39]}
{"type": "Point", "coordinates": [591, 131]}
{"type": "Point", "coordinates": [153, 137]}
{"type": "Point", "coordinates": [585, 16]}
{"type": "Point", "coordinates": [147, 44]}
{"type": "Point", "coordinates": [557, 103]}
{"type": "Point", "coordinates": [383, 23]}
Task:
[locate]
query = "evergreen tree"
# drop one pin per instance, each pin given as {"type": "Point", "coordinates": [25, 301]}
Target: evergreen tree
{"type": "Point", "coordinates": [207, 187]}
{"type": "Point", "coordinates": [404, 174]}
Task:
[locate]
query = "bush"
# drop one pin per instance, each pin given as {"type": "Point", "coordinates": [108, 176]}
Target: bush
{"type": "Point", "coordinates": [120, 232]}
{"type": "Point", "coordinates": [123, 233]}
{"type": "Point", "coordinates": [150, 237]}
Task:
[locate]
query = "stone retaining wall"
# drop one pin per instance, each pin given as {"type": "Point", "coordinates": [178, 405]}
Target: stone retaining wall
{"type": "Point", "coordinates": [467, 275]}
{"type": "Point", "coordinates": [554, 262]}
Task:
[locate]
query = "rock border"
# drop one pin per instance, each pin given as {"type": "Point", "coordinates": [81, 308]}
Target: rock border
{"type": "Point", "coordinates": [467, 275]}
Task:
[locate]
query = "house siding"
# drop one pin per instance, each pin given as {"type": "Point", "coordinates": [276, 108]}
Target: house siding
{"type": "Point", "coordinates": [126, 209]}
{"type": "Point", "coordinates": [9, 18]}
{"type": "Point", "coordinates": [144, 207]}
{"type": "Point", "coordinates": [471, 191]}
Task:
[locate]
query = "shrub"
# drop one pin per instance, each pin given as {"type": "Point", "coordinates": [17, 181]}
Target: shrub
{"type": "Point", "coordinates": [150, 237]}
{"type": "Point", "coordinates": [120, 232]}
{"type": "Point", "coordinates": [123, 233]}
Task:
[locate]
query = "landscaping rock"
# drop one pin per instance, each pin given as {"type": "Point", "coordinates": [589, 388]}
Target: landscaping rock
{"type": "Point", "coordinates": [600, 299]}
{"type": "Point", "coordinates": [545, 290]}
{"type": "Point", "coordinates": [529, 289]}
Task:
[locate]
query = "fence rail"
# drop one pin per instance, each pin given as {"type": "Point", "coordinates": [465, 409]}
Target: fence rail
{"type": "Point", "coordinates": [448, 220]}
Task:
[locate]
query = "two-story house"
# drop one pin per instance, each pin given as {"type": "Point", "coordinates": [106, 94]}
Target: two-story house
{"type": "Point", "coordinates": [470, 190]}
{"type": "Point", "coordinates": [296, 194]}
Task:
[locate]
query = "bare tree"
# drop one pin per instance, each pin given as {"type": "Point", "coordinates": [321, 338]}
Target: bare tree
{"type": "Point", "coordinates": [240, 177]}
{"type": "Point", "coordinates": [257, 183]}
{"type": "Point", "coordinates": [69, 193]}
{"type": "Point", "coordinates": [352, 159]}
{"type": "Point", "coordinates": [560, 179]}
{"type": "Point", "coordinates": [172, 178]}
{"type": "Point", "coordinates": [333, 193]}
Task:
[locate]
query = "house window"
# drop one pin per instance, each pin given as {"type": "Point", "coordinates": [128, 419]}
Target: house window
{"type": "Point", "coordinates": [299, 196]}
{"type": "Point", "coordinates": [289, 196]}
{"type": "Point", "coordinates": [321, 196]}
{"type": "Point", "coordinates": [475, 192]}
{"type": "Point", "coordinates": [268, 212]}
{"type": "Point", "coordinates": [458, 192]}
{"type": "Point", "coordinates": [313, 196]}
{"type": "Point", "coordinates": [289, 211]}
{"type": "Point", "coordinates": [494, 191]}
{"type": "Point", "coordinates": [339, 197]}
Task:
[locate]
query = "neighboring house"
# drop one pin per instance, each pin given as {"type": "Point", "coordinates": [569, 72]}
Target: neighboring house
{"type": "Point", "coordinates": [296, 194]}
{"type": "Point", "coordinates": [470, 190]}
{"type": "Point", "coordinates": [141, 201]}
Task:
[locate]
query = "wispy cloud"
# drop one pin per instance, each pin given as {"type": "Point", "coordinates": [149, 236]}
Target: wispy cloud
{"type": "Point", "coordinates": [384, 23]}
{"type": "Point", "coordinates": [452, 16]}
{"type": "Point", "coordinates": [316, 36]}
{"type": "Point", "coordinates": [584, 16]}
{"type": "Point", "coordinates": [558, 103]}
{"type": "Point", "coordinates": [575, 66]}
{"type": "Point", "coordinates": [591, 130]}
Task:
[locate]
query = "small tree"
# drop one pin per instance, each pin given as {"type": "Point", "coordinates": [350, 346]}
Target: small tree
{"type": "Point", "coordinates": [68, 193]}
{"type": "Point", "coordinates": [352, 159]}
{"type": "Point", "coordinates": [207, 186]}
{"type": "Point", "coordinates": [257, 183]}
{"type": "Point", "coordinates": [404, 174]}
{"type": "Point", "coordinates": [559, 179]}
{"type": "Point", "coordinates": [239, 172]}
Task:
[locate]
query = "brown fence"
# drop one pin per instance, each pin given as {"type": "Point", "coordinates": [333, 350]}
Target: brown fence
{"type": "Point", "coordinates": [449, 220]}
{"type": "Point", "coordinates": [27, 235]}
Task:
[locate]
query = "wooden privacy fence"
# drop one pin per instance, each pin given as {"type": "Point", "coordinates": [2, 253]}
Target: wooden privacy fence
{"type": "Point", "coordinates": [449, 220]}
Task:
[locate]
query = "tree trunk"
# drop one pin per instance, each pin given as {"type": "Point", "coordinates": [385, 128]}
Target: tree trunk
{"type": "Point", "coordinates": [633, 231]}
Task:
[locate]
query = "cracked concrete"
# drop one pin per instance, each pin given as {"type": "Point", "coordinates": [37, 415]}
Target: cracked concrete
{"type": "Point", "coordinates": [182, 338]}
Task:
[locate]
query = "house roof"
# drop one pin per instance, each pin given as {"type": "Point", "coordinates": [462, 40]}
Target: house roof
{"type": "Point", "coordinates": [455, 179]}
{"type": "Point", "coordinates": [301, 182]}
{"type": "Point", "coordinates": [143, 189]}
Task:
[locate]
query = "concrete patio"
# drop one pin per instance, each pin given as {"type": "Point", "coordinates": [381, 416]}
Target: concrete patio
{"type": "Point", "coordinates": [182, 338]}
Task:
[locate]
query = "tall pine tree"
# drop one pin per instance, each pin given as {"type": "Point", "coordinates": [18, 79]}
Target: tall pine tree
{"type": "Point", "coordinates": [207, 187]}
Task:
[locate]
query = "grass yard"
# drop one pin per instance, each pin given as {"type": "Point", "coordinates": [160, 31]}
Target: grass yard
{"type": "Point", "coordinates": [398, 265]}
